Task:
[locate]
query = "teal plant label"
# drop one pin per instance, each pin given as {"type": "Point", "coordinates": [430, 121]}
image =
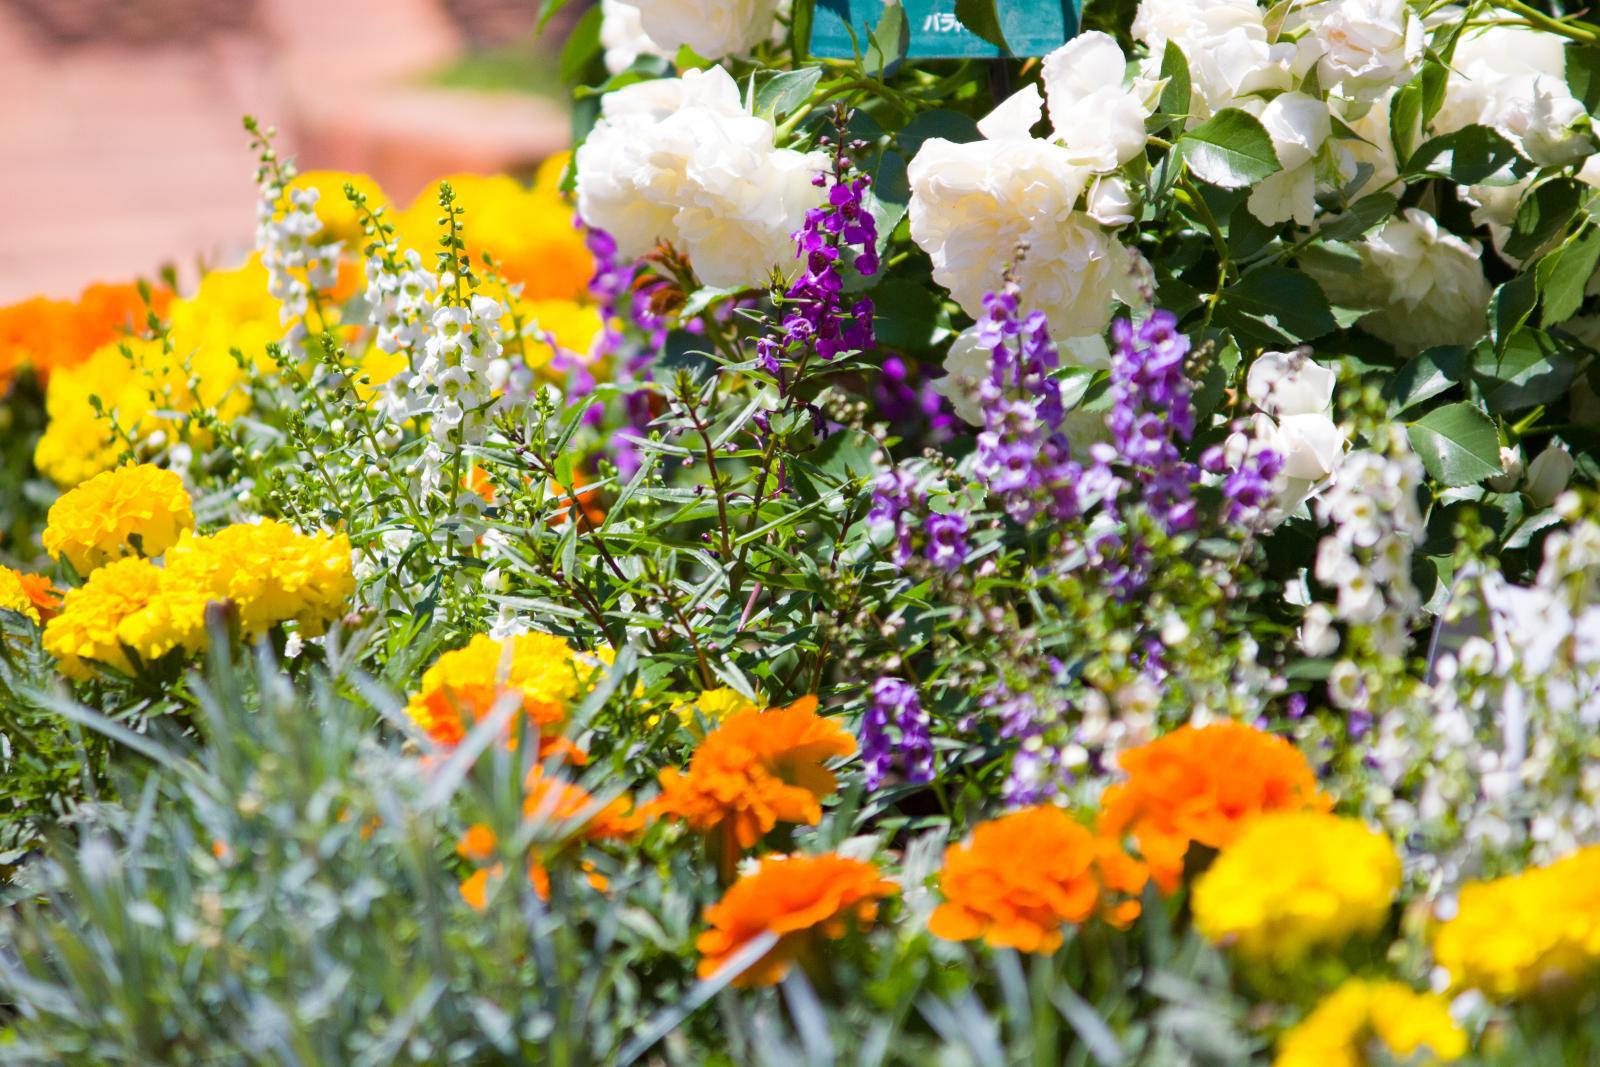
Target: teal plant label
{"type": "Point", "coordinates": [1030, 28]}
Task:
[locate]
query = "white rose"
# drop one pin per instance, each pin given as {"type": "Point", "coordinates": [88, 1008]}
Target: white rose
{"type": "Point", "coordinates": [1109, 201]}
{"type": "Point", "coordinates": [1375, 147]}
{"type": "Point", "coordinates": [1548, 475]}
{"type": "Point", "coordinates": [1225, 43]}
{"type": "Point", "coordinates": [1367, 46]}
{"type": "Point", "coordinates": [680, 159]}
{"type": "Point", "coordinates": [1513, 78]}
{"type": "Point", "coordinates": [622, 36]}
{"type": "Point", "coordinates": [1290, 383]}
{"type": "Point", "coordinates": [1098, 121]}
{"type": "Point", "coordinates": [712, 28]}
{"type": "Point", "coordinates": [1298, 125]}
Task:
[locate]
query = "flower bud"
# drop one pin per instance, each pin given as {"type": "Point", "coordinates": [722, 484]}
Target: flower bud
{"type": "Point", "coordinates": [1548, 475]}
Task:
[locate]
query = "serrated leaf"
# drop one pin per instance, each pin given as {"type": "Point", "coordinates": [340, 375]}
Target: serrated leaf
{"type": "Point", "coordinates": [1457, 444]}
{"type": "Point", "coordinates": [983, 19]}
{"type": "Point", "coordinates": [1468, 156]}
{"type": "Point", "coordinates": [1544, 212]}
{"type": "Point", "coordinates": [782, 93]}
{"type": "Point", "coordinates": [1426, 376]}
{"type": "Point", "coordinates": [1276, 305]}
{"type": "Point", "coordinates": [1175, 95]}
{"type": "Point", "coordinates": [1231, 149]}
{"type": "Point", "coordinates": [1510, 307]}
{"type": "Point", "coordinates": [1363, 216]}
{"type": "Point", "coordinates": [1564, 273]}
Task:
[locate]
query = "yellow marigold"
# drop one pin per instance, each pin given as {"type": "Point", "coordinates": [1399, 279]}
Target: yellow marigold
{"type": "Point", "coordinates": [88, 628]}
{"type": "Point", "coordinates": [462, 687]}
{"type": "Point", "coordinates": [271, 572]}
{"type": "Point", "coordinates": [1406, 1026]}
{"type": "Point", "coordinates": [14, 595]}
{"type": "Point", "coordinates": [757, 769]}
{"type": "Point", "coordinates": [1021, 877]}
{"type": "Point", "coordinates": [133, 510]}
{"type": "Point", "coordinates": [556, 327]}
{"type": "Point", "coordinates": [1527, 933]}
{"type": "Point", "coordinates": [712, 705]}
{"type": "Point", "coordinates": [798, 898]}
{"type": "Point", "coordinates": [529, 232]}
{"type": "Point", "coordinates": [1203, 784]}
{"type": "Point", "coordinates": [1294, 880]}
{"type": "Point", "coordinates": [230, 309]}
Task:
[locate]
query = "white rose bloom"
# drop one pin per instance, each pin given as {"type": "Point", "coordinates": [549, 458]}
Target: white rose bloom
{"type": "Point", "coordinates": [966, 365]}
{"type": "Point", "coordinates": [1109, 202]}
{"type": "Point", "coordinates": [1098, 121]}
{"type": "Point", "coordinates": [622, 36]}
{"type": "Point", "coordinates": [712, 28]}
{"type": "Point", "coordinates": [1225, 43]}
{"type": "Point", "coordinates": [1428, 284]}
{"type": "Point", "coordinates": [1290, 383]}
{"type": "Point", "coordinates": [1298, 125]}
{"type": "Point", "coordinates": [680, 159]}
{"type": "Point", "coordinates": [1294, 395]}
{"type": "Point", "coordinates": [1514, 79]}
{"type": "Point", "coordinates": [1367, 47]}
{"type": "Point", "coordinates": [1375, 149]}
{"type": "Point", "coordinates": [974, 205]}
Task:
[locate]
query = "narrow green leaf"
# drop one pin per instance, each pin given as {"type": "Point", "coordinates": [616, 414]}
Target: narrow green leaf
{"type": "Point", "coordinates": [582, 46]}
{"type": "Point", "coordinates": [1457, 443]}
{"type": "Point", "coordinates": [1363, 216]}
{"type": "Point", "coordinates": [1426, 376]}
{"type": "Point", "coordinates": [983, 19]}
{"type": "Point", "coordinates": [1175, 95]}
{"type": "Point", "coordinates": [1564, 274]}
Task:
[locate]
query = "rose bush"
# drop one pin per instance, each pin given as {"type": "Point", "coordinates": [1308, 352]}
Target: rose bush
{"type": "Point", "coordinates": [1091, 557]}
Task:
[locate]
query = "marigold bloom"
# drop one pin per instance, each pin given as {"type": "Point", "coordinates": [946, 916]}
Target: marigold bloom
{"type": "Point", "coordinates": [528, 231]}
{"type": "Point", "coordinates": [1203, 784]}
{"type": "Point", "coordinates": [87, 629]}
{"type": "Point", "coordinates": [340, 219]}
{"type": "Point", "coordinates": [46, 598]}
{"type": "Point", "coordinates": [757, 769]}
{"type": "Point", "coordinates": [1294, 880]}
{"type": "Point", "coordinates": [1527, 933]}
{"type": "Point", "coordinates": [462, 687]}
{"type": "Point", "coordinates": [1020, 877]}
{"type": "Point", "coordinates": [712, 705]}
{"type": "Point", "coordinates": [14, 595]}
{"type": "Point", "coordinates": [133, 510]}
{"type": "Point", "coordinates": [799, 898]}
{"type": "Point", "coordinates": [230, 309]}
{"type": "Point", "coordinates": [1411, 1027]}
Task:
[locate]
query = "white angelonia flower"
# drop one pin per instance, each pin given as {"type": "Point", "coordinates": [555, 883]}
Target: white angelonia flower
{"type": "Point", "coordinates": [1548, 475]}
{"type": "Point", "coordinates": [1318, 635]}
{"type": "Point", "coordinates": [712, 28]}
{"type": "Point", "coordinates": [679, 159]}
{"type": "Point", "coordinates": [1098, 121]}
{"type": "Point", "coordinates": [1298, 125]}
{"type": "Point", "coordinates": [1513, 78]}
{"type": "Point", "coordinates": [1365, 47]}
{"type": "Point", "coordinates": [622, 36]}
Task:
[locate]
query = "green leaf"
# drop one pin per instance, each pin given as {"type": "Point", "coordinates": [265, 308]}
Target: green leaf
{"type": "Point", "coordinates": [1175, 95]}
{"type": "Point", "coordinates": [889, 195]}
{"type": "Point", "coordinates": [1564, 273]}
{"type": "Point", "coordinates": [779, 95]}
{"type": "Point", "coordinates": [1426, 376]}
{"type": "Point", "coordinates": [1532, 370]}
{"type": "Point", "coordinates": [905, 314]}
{"type": "Point", "coordinates": [1468, 156]}
{"type": "Point", "coordinates": [1544, 212]}
{"type": "Point", "coordinates": [582, 46]}
{"type": "Point", "coordinates": [800, 26]}
{"type": "Point", "coordinates": [983, 19]}
{"type": "Point", "coordinates": [887, 43]}
{"type": "Point", "coordinates": [1457, 443]}
{"type": "Point", "coordinates": [1405, 118]}
{"type": "Point", "coordinates": [950, 125]}
{"type": "Point", "coordinates": [1583, 76]}
{"type": "Point", "coordinates": [1230, 149]}
{"type": "Point", "coordinates": [1362, 217]}
{"type": "Point", "coordinates": [1276, 305]}
{"type": "Point", "coordinates": [1510, 307]}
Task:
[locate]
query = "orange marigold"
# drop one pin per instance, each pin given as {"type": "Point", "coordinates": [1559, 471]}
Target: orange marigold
{"type": "Point", "coordinates": [43, 594]}
{"type": "Point", "coordinates": [757, 769]}
{"type": "Point", "coordinates": [1204, 784]}
{"type": "Point", "coordinates": [1023, 875]}
{"type": "Point", "coordinates": [798, 898]}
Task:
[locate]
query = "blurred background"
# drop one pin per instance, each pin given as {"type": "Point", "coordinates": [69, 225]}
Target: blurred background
{"type": "Point", "coordinates": [121, 149]}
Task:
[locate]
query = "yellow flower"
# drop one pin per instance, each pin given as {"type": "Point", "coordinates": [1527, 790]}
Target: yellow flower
{"type": "Point", "coordinates": [712, 705]}
{"type": "Point", "coordinates": [134, 510]}
{"type": "Point", "coordinates": [87, 628]}
{"type": "Point", "coordinates": [231, 309]}
{"type": "Point", "coordinates": [462, 687]}
{"type": "Point", "coordinates": [14, 595]}
{"type": "Point", "coordinates": [1409, 1027]}
{"type": "Point", "coordinates": [1295, 880]}
{"type": "Point", "coordinates": [555, 326]}
{"type": "Point", "coordinates": [1531, 932]}
{"type": "Point", "coordinates": [375, 370]}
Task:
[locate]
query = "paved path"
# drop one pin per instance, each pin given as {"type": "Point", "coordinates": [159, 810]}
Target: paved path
{"type": "Point", "coordinates": [117, 158]}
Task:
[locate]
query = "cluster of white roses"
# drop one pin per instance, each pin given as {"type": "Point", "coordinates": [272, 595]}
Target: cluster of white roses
{"type": "Point", "coordinates": [633, 28]}
{"type": "Point", "coordinates": [682, 160]}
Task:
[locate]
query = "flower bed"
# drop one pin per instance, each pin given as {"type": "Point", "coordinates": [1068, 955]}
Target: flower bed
{"type": "Point", "coordinates": [1088, 558]}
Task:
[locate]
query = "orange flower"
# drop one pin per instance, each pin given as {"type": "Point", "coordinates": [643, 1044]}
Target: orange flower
{"type": "Point", "coordinates": [1023, 875]}
{"type": "Point", "coordinates": [47, 334]}
{"type": "Point", "coordinates": [795, 897]}
{"type": "Point", "coordinates": [106, 312]}
{"type": "Point", "coordinates": [1203, 784]}
{"type": "Point", "coordinates": [566, 814]}
{"type": "Point", "coordinates": [45, 597]}
{"type": "Point", "coordinates": [757, 769]}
